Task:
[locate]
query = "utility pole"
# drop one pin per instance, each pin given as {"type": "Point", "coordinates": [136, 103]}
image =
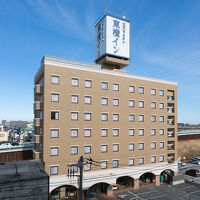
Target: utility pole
{"type": "Point", "coordinates": [80, 163]}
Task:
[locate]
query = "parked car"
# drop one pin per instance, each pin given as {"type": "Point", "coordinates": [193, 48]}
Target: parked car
{"type": "Point", "coordinates": [195, 161]}
{"type": "Point", "coordinates": [193, 172]}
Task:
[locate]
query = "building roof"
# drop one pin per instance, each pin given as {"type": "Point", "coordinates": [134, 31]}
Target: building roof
{"type": "Point", "coordinates": [21, 170]}
{"type": "Point", "coordinates": [66, 63]}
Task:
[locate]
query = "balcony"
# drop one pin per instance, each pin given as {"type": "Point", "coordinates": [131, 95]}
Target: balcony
{"type": "Point", "coordinates": [170, 157]}
{"type": "Point", "coordinates": [38, 122]}
{"type": "Point", "coordinates": [171, 145]}
{"type": "Point", "coordinates": [38, 138]}
{"type": "Point", "coordinates": [38, 89]}
{"type": "Point", "coordinates": [170, 108]}
{"type": "Point", "coordinates": [38, 130]}
{"type": "Point", "coordinates": [170, 120]}
{"type": "Point", "coordinates": [38, 105]}
{"type": "Point", "coordinates": [170, 132]}
{"type": "Point", "coordinates": [170, 95]}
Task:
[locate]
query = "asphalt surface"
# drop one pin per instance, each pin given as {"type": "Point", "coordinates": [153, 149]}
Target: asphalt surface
{"type": "Point", "coordinates": [189, 190]}
{"type": "Point", "coordinates": [163, 192]}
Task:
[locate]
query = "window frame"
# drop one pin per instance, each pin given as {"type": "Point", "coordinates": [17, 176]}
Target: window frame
{"type": "Point", "coordinates": [58, 76]}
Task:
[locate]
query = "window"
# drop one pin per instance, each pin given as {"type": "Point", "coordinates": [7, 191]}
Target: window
{"type": "Point", "coordinates": [54, 97]}
{"type": "Point", "coordinates": [104, 148]}
{"type": "Point", "coordinates": [131, 161]}
{"type": "Point", "coordinates": [131, 147]}
{"type": "Point", "coordinates": [74, 167]}
{"type": "Point", "coordinates": [74, 98]}
{"type": "Point", "coordinates": [115, 147]}
{"type": "Point", "coordinates": [161, 106]}
{"type": "Point", "coordinates": [74, 115]}
{"type": "Point", "coordinates": [161, 145]}
{"type": "Point", "coordinates": [153, 118]}
{"type": "Point", "coordinates": [74, 132]}
{"type": "Point", "coordinates": [55, 115]}
{"type": "Point", "coordinates": [88, 116]}
{"type": "Point", "coordinates": [104, 132]}
{"type": "Point", "coordinates": [131, 89]}
{"type": "Point", "coordinates": [74, 150]}
{"type": "Point", "coordinates": [153, 159]}
{"type": "Point", "coordinates": [74, 82]}
{"type": "Point", "coordinates": [161, 118]}
{"type": "Point", "coordinates": [161, 92]}
{"type": "Point", "coordinates": [153, 145]}
{"type": "Point", "coordinates": [115, 117]}
{"type": "Point", "coordinates": [104, 164]}
{"type": "Point", "coordinates": [115, 102]}
{"type": "Point", "coordinates": [88, 83]}
{"type": "Point", "coordinates": [115, 132]}
{"type": "Point", "coordinates": [161, 131]}
{"type": "Point", "coordinates": [55, 79]}
{"type": "Point", "coordinates": [141, 118]}
{"type": "Point", "coordinates": [131, 132]}
{"type": "Point", "coordinates": [153, 131]}
{"type": "Point", "coordinates": [131, 103]}
{"type": "Point", "coordinates": [153, 105]}
{"type": "Point", "coordinates": [141, 104]}
{"type": "Point", "coordinates": [141, 90]}
{"type": "Point", "coordinates": [87, 149]}
{"type": "Point", "coordinates": [141, 160]}
{"type": "Point", "coordinates": [115, 163]}
{"type": "Point", "coordinates": [153, 91]}
{"type": "Point", "coordinates": [88, 99]}
{"type": "Point", "coordinates": [141, 146]}
{"type": "Point", "coordinates": [104, 101]}
{"type": "Point", "coordinates": [131, 118]}
{"type": "Point", "coordinates": [53, 170]}
{"type": "Point", "coordinates": [104, 86]}
{"type": "Point", "coordinates": [87, 132]}
{"type": "Point", "coordinates": [115, 87]}
{"type": "Point", "coordinates": [54, 151]}
{"type": "Point", "coordinates": [54, 133]}
{"type": "Point", "coordinates": [161, 158]}
{"type": "Point", "coordinates": [87, 167]}
{"type": "Point", "coordinates": [141, 132]}
{"type": "Point", "coordinates": [104, 117]}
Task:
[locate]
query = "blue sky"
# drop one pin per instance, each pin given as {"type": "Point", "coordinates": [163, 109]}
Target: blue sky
{"type": "Point", "coordinates": [165, 44]}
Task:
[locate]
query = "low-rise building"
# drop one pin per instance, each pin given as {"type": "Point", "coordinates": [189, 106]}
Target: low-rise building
{"type": "Point", "coordinates": [23, 180]}
{"type": "Point", "coordinates": [3, 134]}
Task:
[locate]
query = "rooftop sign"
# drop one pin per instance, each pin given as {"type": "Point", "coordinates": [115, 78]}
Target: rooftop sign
{"type": "Point", "coordinates": [112, 37]}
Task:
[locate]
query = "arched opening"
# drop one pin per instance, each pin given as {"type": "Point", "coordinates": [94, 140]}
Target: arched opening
{"type": "Point", "coordinates": [166, 176]}
{"type": "Point", "coordinates": [64, 192]}
{"type": "Point", "coordinates": [97, 189]}
{"type": "Point", "coordinates": [147, 180]}
{"type": "Point", "coordinates": [55, 194]}
{"type": "Point", "coordinates": [125, 181]}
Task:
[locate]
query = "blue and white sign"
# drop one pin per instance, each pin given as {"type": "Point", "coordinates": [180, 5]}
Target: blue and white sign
{"type": "Point", "coordinates": [113, 37]}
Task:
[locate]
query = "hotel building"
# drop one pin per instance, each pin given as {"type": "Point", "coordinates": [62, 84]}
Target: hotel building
{"type": "Point", "coordinates": [125, 123]}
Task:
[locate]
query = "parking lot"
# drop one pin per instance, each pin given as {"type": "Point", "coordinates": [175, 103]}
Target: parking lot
{"type": "Point", "coordinates": [163, 192]}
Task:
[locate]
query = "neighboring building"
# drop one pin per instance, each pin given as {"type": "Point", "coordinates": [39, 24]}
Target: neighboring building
{"type": "Point", "coordinates": [23, 180]}
{"type": "Point", "coordinates": [126, 123]}
{"type": "Point", "coordinates": [18, 124]}
{"type": "Point", "coordinates": [3, 134]}
{"type": "Point", "coordinates": [16, 152]}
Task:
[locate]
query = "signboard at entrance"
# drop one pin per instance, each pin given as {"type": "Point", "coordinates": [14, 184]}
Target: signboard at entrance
{"type": "Point", "coordinates": [112, 37]}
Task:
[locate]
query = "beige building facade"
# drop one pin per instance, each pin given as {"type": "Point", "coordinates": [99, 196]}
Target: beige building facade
{"type": "Point", "coordinates": [3, 134]}
{"type": "Point", "coordinates": [125, 123]}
